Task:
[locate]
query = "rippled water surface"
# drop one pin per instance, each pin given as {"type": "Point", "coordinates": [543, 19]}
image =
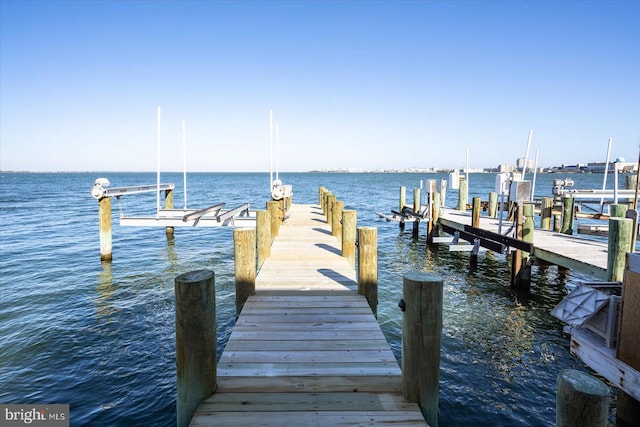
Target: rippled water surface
{"type": "Point", "coordinates": [100, 336]}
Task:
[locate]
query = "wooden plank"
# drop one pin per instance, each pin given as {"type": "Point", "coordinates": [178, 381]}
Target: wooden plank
{"type": "Point", "coordinates": [310, 383]}
{"type": "Point", "coordinates": [316, 356]}
{"type": "Point", "coordinates": [322, 418]}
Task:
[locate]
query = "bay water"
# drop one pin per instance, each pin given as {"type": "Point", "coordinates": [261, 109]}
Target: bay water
{"type": "Point", "coordinates": [100, 336]}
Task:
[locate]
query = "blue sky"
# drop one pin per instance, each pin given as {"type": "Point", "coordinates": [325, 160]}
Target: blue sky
{"type": "Point", "coordinates": [358, 84]}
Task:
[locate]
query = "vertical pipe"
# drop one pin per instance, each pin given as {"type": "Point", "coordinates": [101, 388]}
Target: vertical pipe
{"type": "Point", "coordinates": [368, 266]}
{"type": "Point", "coordinates": [535, 173]}
{"type": "Point", "coordinates": [244, 251]}
{"type": "Point", "coordinates": [421, 337]}
{"type": "Point", "coordinates": [526, 154]}
{"type": "Point", "coordinates": [158, 169]}
{"type": "Point", "coordinates": [606, 171]}
{"type": "Point", "coordinates": [196, 341]}
{"type": "Point", "coordinates": [104, 217]}
{"type": "Point", "coordinates": [270, 151]}
{"type": "Point", "coordinates": [349, 226]}
{"type": "Point", "coordinates": [184, 161]}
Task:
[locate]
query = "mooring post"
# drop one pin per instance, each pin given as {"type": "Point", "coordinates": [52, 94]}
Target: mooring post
{"type": "Point", "coordinates": [330, 201]}
{"type": "Point", "coordinates": [618, 210]}
{"type": "Point", "coordinates": [325, 207]}
{"type": "Point", "coordinates": [403, 197]}
{"type": "Point", "coordinates": [545, 213]}
{"type": "Point", "coordinates": [244, 250]}
{"type": "Point", "coordinates": [433, 221]}
{"type": "Point", "coordinates": [493, 204]}
{"type": "Point", "coordinates": [368, 266]}
{"type": "Point", "coordinates": [443, 192]}
{"type": "Point", "coordinates": [321, 196]}
{"type": "Point", "coordinates": [104, 217]}
{"type": "Point", "coordinates": [463, 195]}
{"type": "Point", "coordinates": [336, 221]}
{"type": "Point", "coordinates": [581, 400]}
{"type": "Point", "coordinates": [528, 226]}
{"type": "Point", "coordinates": [568, 212]}
{"type": "Point", "coordinates": [421, 335]}
{"type": "Point", "coordinates": [263, 236]}
{"type": "Point", "coordinates": [168, 204]}
{"type": "Point", "coordinates": [274, 210]}
{"type": "Point", "coordinates": [349, 219]}
{"type": "Point", "coordinates": [619, 243]}
{"type": "Point", "coordinates": [520, 268]}
{"type": "Point", "coordinates": [416, 200]}
{"type": "Point", "coordinates": [627, 408]}
{"type": "Point", "coordinates": [196, 341]}
{"type": "Point", "coordinates": [475, 212]}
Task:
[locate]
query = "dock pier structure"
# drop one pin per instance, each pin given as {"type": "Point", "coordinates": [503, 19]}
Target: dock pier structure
{"type": "Point", "coordinates": [306, 348]}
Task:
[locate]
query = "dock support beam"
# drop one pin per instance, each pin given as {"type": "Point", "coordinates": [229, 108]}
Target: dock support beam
{"type": "Point", "coordinates": [581, 400]}
{"type": "Point", "coordinates": [104, 215]}
{"type": "Point", "coordinates": [349, 236]}
{"type": "Point", "coordinates": [244, 245]}
{"type": "Point", "coordinates": [421, 336]}
{"type": "Point", "coordinates": [368, 266]}
{"type": "Point", "coordinates": [196, 341]}
{"type": "Point", "coordinates": [263, 236]}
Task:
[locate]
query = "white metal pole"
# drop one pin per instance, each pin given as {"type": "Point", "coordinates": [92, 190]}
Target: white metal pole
{"type": "Point", "coordinates": [158, 169]}
{"type": "Point", "coordinates": [606, 172]}
{"type": "Point", "coordinates": [184, 160]}
{"type": "Point", "coordinates": [277, 150]}
{"type": "Point", "coordinates": [615, 183]}
{"type": "Point", "coordinates": [526, 155]}
{"type": "Point", "coordinates": [535, 172]}
{"type": "Point", "coordinates": [466, 175]}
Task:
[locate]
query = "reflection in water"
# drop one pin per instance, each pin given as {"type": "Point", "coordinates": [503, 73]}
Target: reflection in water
{"type": "Point", "coordinates": [105, 292]}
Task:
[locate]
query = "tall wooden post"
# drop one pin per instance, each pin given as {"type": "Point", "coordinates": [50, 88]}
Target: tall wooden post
{"type": "Point", "coordinates": [244, 250]}
{"type": "Point", "coordinates": [104, 217]}
{"type": "Point", "coordinates": [421, 337]}
{"type": "Point", "coordinates": [528, 226]}
{"type": "Point", "coordinates": [330, 201]}
{"type": "Point", "coordinates": [196, 341]}
{"type": "Point", "coordinates": [336, 219]}
{"type": "Point", "coordinates": [545, 213]}
{"type": "Point", "coordinates": [403, 197]}
{"type": "Point", "coordinates": [581, 400]}
{"type": "Point", "coordinates": [263, 236]}
{"type": "Point", "coordinates": [618, 210]}
{"type": "Point", "coordinates": [475, 212]}
{"type": "Point", "coordinates": [325, 207]}
{"type": "Point", "coordinates": [493, 205]}
{"type": "Point", "coordinates": [568, 212]}
{"type": "Point", "coordinates": [274, 210]}
{"type": "Point", "coordinates": [619, 243]}
{"type": "Point", "coordinates": [416, 200]}
{"type": "Point", "coordinates": [443, 192]}
{"type": "Point", "coordinates": [520, 270]}
{"type": "Point", "coordinates": [433, 222]}
{"type": "Point", "coordinates": [463, 195]}
{"type": "Point", "coordinates": [627, 408]}
{"type": "Point", "coordinates": [368, 266]}
{"type": "Point", "coordinates": [168, 204]}
{"type": "Point", "coordinates": [349, 219]}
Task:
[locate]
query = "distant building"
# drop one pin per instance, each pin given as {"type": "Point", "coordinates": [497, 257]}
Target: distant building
{"type": "Point", "coordinates": [599, 167]}
{"type": "Point", "coordinates": [531, 164]}
{"type": "Point", "coordinates": [506, 168]}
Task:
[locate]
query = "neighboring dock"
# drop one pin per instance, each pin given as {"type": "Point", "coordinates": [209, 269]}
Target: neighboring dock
{"type": "Point", "coordinates": [306, 348]}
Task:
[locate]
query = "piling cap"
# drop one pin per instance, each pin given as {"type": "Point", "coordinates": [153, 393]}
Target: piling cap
{"type": "Point", "coordinates": [584, 382]}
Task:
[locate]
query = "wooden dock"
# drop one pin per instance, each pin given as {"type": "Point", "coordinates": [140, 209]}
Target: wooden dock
{"type": "Point", "coordinates": [306, 348]}
{"type": "Point", "coordinates": [583, 255]}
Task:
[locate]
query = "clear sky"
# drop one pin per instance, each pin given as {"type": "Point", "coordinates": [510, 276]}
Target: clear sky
{"type": "Point", "coordinates": [352, 84]}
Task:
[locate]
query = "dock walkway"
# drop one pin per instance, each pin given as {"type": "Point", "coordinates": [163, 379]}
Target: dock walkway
{"type": "Point", "coordinates": [306, 348]}
{"type": "Point", "coordinates": [583, 255]}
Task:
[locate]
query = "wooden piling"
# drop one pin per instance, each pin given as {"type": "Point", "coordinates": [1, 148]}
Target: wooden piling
{"type": "Point", "coordinates": [493, 205]}
{"type": "Point", "coordinates": [581, 400]}
{"type": "Point", "coordinates": [274, 210]}
{"type": "Point", "coordinates": [168, 204]}
{"type": "Point", "coordinates": [330, 201]}
{"type": "Point", "coordinates": [618, 210]}
{"type": "Point", "coordinates": [244, 250]}
{"type": "Point", "coordinates": [104, 217]}
{"type": "Point", "coordinates": [196, 341]}
{"type": "Point", "coordinates": [528, 225]}
{"type": "Point", "coordinates": [416, 200]}
{"type": "Point", "coordinates": [475, 212]}
{"type": "Point", "coordinates": [520, 268]}
{"type": "Point", "coordinates": [368, 266]}
{"type": "Point", "coordinates": [263, 236]}
{"type": "Point", "coordinates": [463, 195]}
{"type": "Point", "coordinates": [619, 243]}
{"type": "Point", "coordinates": [349, 225]}
{"type": "Point", "coordinates": [627, 408]}
{"type": "Point", "coordinates": [443, 192]}
{"type": "Point", "coordinates": [421, 337]}
{"type": "Point", "coordinates": [433, 221]}
{"type": "Point", "coordinates": [568, 213]}
{"type": "Point", "coordinates": [403, 197]}
{"type": "Point", "coordinates": [324, 203]}
{"type": "Point", "coordinates": [546, 213]}
{"type": "Point", "coordinates": [336, 221]}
